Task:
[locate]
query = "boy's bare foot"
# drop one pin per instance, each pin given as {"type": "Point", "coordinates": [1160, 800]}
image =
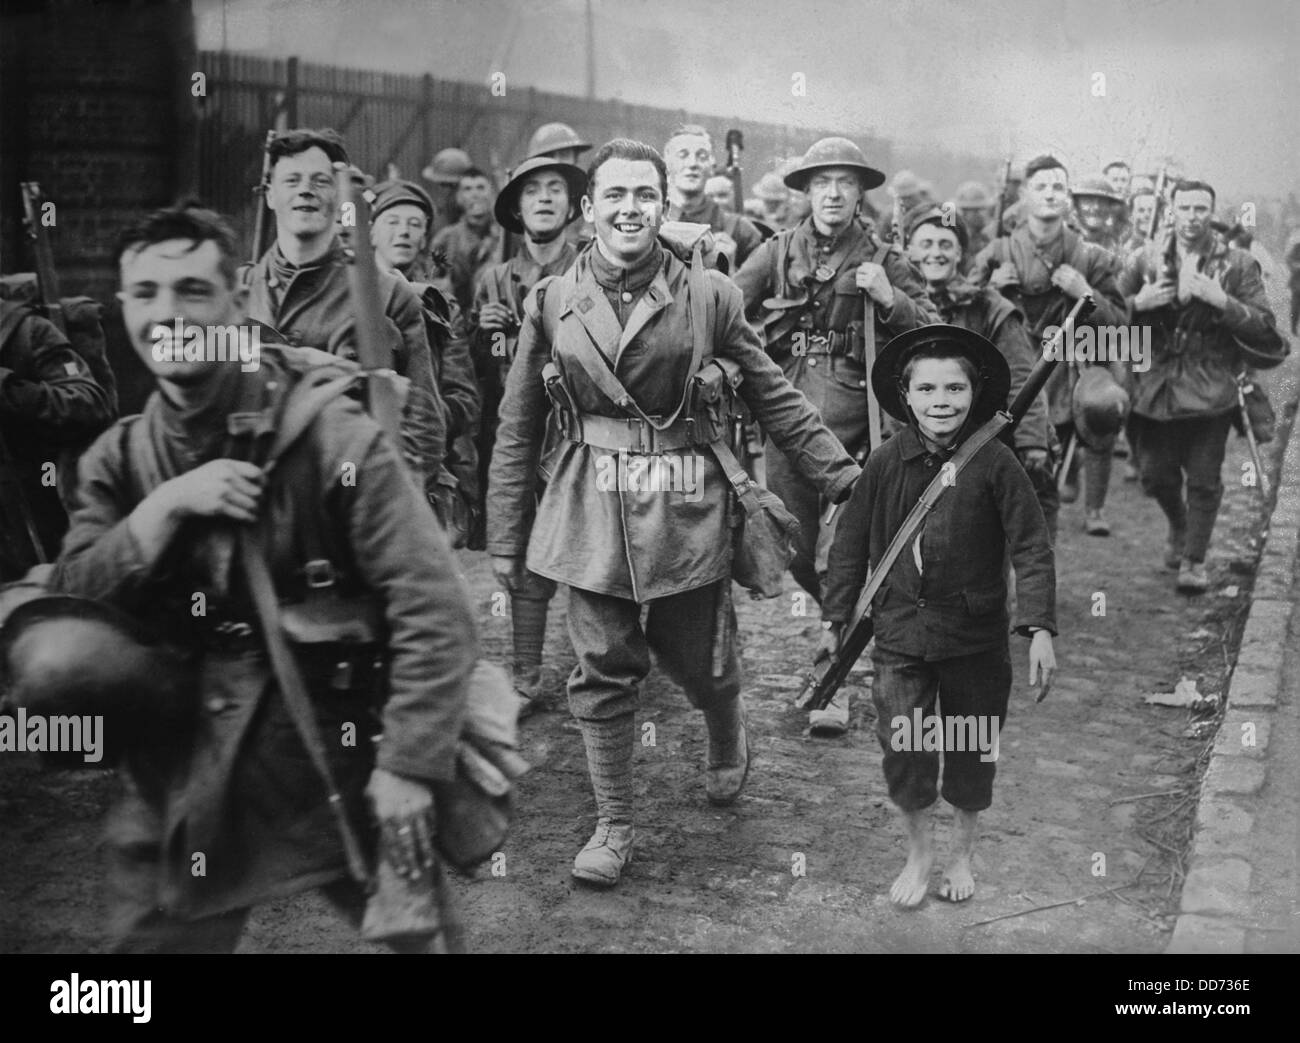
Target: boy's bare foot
{"type": "Point", "coordinates": [912, 883]}
{"type": "Point", "coordinates": [958, 882]}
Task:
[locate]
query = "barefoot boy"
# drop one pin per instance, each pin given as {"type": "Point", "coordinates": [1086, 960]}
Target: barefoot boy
{"type": "Point", "coordinates": [941, 624]}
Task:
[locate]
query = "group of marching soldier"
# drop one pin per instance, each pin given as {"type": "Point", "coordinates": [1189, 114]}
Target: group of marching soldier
{"type": "Point", "coordinates": [641, 315]}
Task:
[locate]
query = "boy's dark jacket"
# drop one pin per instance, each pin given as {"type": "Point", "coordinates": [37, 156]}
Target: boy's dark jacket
{"type": "Point", "coordinates": [956, 605]}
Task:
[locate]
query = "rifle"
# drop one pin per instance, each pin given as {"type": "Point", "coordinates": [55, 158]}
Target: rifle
{"type": "Point", "coordinates": [47, 279]}
{"type": "Point", "coordinates": [1243, 385]}
{"type": "Point", "coordinates": [1002, 199]}
{"type": "Point", "coordinates": [259, 194]}
{"type": "Point", "coordinates": [830, 670]}
{"type": "Point", "coordinates": [735, 146]}
{"type": "Point", "coordinates": [1162, 180]}
{"type": "Point", "coordinates": [385, 390]}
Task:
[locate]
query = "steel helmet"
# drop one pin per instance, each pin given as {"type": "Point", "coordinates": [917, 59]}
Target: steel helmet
{"type": "Point", "coordinates": [973, 194]}
{"type": "Point", "coordinates": [1096, 186]}
{"type": "Point", "coordinates": [447, 166]}
{"type": "Point", "coordinates": [550, 138]}
{"type": "Point", "coordinates": [1099, 406]}
{"type": "Point", "coordinates": [771, 189]}
{"type": "Point", "coordinates": [508, 197]}
{"type": "Point", "coordinates": [834, 152]}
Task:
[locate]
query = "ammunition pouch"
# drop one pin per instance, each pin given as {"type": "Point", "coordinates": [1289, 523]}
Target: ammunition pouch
{"type": "Point", "coordinates": [339, 641]}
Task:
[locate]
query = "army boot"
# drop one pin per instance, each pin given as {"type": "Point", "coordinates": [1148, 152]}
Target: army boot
{"type": "Point", "coordinates": [609, 761]}
{"type": "Point", "coordinates": [728, 764]}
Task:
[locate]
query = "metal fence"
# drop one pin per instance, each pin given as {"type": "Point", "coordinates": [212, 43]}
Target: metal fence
{"type": "Point", "coordinates": [403, 120]}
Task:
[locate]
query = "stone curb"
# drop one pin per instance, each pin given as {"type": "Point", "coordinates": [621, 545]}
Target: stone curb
{"type": "Point", "coordinates": [1215, 909]}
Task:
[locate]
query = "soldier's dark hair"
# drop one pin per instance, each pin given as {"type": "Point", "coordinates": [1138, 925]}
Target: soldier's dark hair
{"type": "Point", "coordinates": [293, 142]}
{"type": "Point", "coordinates": [471, 174]}
{"type": "Point", "coordinates": [1187, 185]}
{"type": "Point", "coordinates": [939, 351]}
{"type": "Point", "coordinates": [1046, 162]}
{"type": "Point", "coordinates": [634, 151]}
{"type": "Point", "coordinates": [186, 220]}
{"type": "Point", "coordinates": [1113, 164]}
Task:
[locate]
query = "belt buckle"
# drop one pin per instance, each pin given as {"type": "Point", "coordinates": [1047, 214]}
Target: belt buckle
{"type": "Point", "coordinates": [318, 573]}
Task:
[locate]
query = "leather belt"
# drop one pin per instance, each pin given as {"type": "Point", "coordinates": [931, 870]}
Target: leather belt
{"type": "Point", "coordinates": [632, 435]}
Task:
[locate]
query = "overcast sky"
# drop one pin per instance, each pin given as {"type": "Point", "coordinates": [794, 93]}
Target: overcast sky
{"type": "Point", "coordinates": [1215, 83]}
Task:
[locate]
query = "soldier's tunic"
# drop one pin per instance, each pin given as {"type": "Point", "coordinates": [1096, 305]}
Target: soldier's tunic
{"type": "Point", "coordinates": [820, 347]}
{"type": "Point", "coordinates": [739, 227]}
{"type": "Point", "coordinates": [242, 790]}
{"type": "Point", "coordinates": [49, 401]}
{"type": "Point", "coordinates": [311, 306]}
{"type": "Point", "coordinates": [468, 252]}
{"type": "Point", "coordinates": [1183, 405]}
{"type": "Point", "coordinates": [621, 547]}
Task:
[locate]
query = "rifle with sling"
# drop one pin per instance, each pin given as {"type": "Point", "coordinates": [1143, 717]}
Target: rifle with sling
{"type": "Point", "coordinates": [47, 279]}
{"type": "Point", "coordinates": [830, 670]}
{"type": "Point", "coordinates": [259, 195]}
{"type": "Point", "coordinates": [735, 146]}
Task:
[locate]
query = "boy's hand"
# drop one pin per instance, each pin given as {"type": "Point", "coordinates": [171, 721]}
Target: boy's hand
{"type": "Point", "coordinates": [1042, 657]}
{"type": "Point", "coordinates": [830, 642]}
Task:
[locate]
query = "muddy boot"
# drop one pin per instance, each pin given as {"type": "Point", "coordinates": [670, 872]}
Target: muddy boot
{"type": "Point", "coordinates": [1174, 547]}
{"type": "Point", "coordinates": [832, 721]}
{"type": "Point", "coordinates": [1192, 577]}
{"type": "Point", "coordinates": [609, 761]}
{"type": "Point", "coordinates": [528, 622]}
{"type": "Point", "coordinates": [728, 765]}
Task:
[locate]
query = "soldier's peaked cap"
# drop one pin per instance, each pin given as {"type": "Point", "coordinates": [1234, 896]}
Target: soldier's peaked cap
{"type": "Point", "coordinates": [391, 193]}
{"type": "Point", "coordinates": [933, 214]}
{"type": "Point", "coordinates": [834, 152]}
{"type": "Point", "coordinates": [994, 373]}
{"type": "Point", "coordinates": [553, 137]}
{"type": "Point", "coordinates": [508, 198]}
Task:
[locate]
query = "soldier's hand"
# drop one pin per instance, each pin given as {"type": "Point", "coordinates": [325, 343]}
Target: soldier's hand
{"type": "Point", "coordinates": [1032, 459]}
{"type": "Point", "coordinates": [218, 489]}
{"type": "Point", "coordinates": [830, 641]}
{"type": "Point", "coordinates": [1202, 287]}
{"type": "Point", "coordinates": [1042, 662]}
{"type": "Point", "coordinates": [1004, 275]}
{"type": "Point", "coordinates": [496, 316]}
{"type": "Point", "coordinates": [1070, 280]}
{"type": "Point", "coordinates": [506, 571]}
{"type": "Point", "coordinates": [872, 278]}
{"type": "Point", "coordinates": [404, 810]}
{"type": "Point", "coordinates": [1153, 295]}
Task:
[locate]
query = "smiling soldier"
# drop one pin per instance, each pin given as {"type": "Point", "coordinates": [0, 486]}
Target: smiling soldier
{"type": "Point", "coordinates": [623, 314]}
{"type": "Point", "coordinates": [689, 155]}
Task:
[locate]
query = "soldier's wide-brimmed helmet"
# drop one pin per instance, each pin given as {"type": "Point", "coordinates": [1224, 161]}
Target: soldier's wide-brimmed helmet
{"type": "Point", "coordinates": [834, 152]}
{"type": "Point", "coordinates": [1266, 353]}
{"type": "Point", "coordinates": [1096, 186]}
{"type": "Point", "coordinates": [1099, 406]}
{"type": "Point", "coordinates": [447, 166]}
{"type": "Point", "coordinates": [551, 138]}
{"type": "Point", "coordinates": [990, 365]}
{"type": "Point", "coordinates": [971, 194]}
{"type": "Point", "coordinates": [508, 198]}
{"type": "Point", "coordinates": [771, 189]}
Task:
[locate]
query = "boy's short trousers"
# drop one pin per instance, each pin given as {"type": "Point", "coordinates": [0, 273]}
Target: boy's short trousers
{"type": "Point", "coordinates": [972, 691]}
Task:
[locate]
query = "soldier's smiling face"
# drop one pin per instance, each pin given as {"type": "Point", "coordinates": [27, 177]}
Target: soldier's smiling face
{"type": "Point", "coordinates": [399, 234]}
{"type": "Point", "coordinates": [833, 193]}
{"type": "Point", "coordinates": [625, 203]}
{"type": "Point", "coordinates": [690, 163]}
{"type": "Point", "coordinates": [303, 194]}
{"type": "Point", "coordinates": [544, 202]}
{"type": "Point", "coordinates": [936, 251]}
{"type": "Point", "coordinates": [1093, 211]}
{"type": "Point", "coordinates": [177, 279]}
{"type": "Point", "coordinates": [1144, 207]}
